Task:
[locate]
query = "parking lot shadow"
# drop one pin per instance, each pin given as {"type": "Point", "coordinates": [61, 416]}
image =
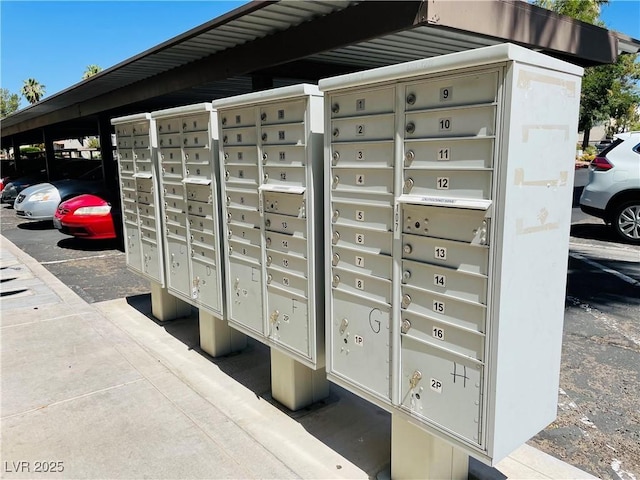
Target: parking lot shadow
{"type": "Point", "coordinates": [37, 225]}
{"type": "Point", "coordinates": [73, 243]}
{"type": "Point", "coordinates": [596, 231]}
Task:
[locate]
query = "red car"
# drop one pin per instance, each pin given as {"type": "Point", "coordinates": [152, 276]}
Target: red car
{"type": "Point", "coordinates": [85, 216]}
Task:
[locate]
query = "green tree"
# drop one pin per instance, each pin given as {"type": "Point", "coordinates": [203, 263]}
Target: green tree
{"type": "Point", "coordinates": [608, 91]}
{"type": "Point", "coordinates": [90, 71]}
{"type": "Point", "coordinates": [32, 90]}
{"type": "Point", "coordinates": [93, 142]}
{"type": "Point", "coordinates": [9, 102]}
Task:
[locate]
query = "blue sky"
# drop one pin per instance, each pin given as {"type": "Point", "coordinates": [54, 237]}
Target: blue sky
{"type": "Point", "coordinates": [54, 42]}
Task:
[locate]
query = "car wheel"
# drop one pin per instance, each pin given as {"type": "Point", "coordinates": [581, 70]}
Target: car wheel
{"type": "Point", "coordinates": [626, 222]}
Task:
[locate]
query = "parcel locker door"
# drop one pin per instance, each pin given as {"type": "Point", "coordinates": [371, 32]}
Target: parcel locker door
{"type": "Point", "coordinates": [361, 343]}
{"type": "Point", "coordinates": [288, 319]}
{"type": "Point", "coordinates": [133, 248]}
{"type": "Point", "coordinates": [151, 259]}
{"type": "Point", "coordinates": [178, 266]}
{"type": "Point", "coordinates": [245, 281]}
{"type": "Point", "coordinates": [205, 285]}
{"type": "Point", "coordinates": [442, 388]}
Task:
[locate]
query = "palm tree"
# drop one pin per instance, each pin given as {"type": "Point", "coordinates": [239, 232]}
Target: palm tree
{"type": "Point", "coordinates": [90, 71]}
{"type": "Point", "coordinates": [32, 90]}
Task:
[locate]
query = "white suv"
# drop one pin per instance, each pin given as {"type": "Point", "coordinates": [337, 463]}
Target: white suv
{"type": "Point", "coordinates": [613, 191]}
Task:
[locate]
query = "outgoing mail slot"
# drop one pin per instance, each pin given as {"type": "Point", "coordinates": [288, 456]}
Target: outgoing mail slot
{"type": "Point", "coordinates": [244, 175]}
{"type": "Point", "coordinates": [203, 253]}
{"type": "Point", "coordinates": [374, 127]}
{"type": "Point", "coordinates": [245, 295]}
{"type": "Point", "coordinates": [445, 281]}
{"type": "Point", "coordinates": [458, 255]}
{"type": "Point", "coordinates": [290, 134]}
{"type": "Point", "coordinates": [374, 215]}
{"type": "Point", "coordinates": [368, 102]}
{"type": "Point", "coordinates": [448, 183]}
{"type": "Point", "coordinates": [441, 387]}
{"type": "Point", "coordinates": [243, 216]}
{"type": "Point", "coordinates": [241, 155]}
{"type": "Point", "coordinates": [286, 262]}
{"type": "Point", "coordinates": [170, 140]}
{"type": "Point", "coordinates": [458, 122]}
{"type": "Point", "coordinates": [199, 209]}
{"type": "Point", "coordinates": [288, 281]}
{"type": "Point", "coordinates": [245, 251]}
{"type": "Point", "coordinates": [140, 143]}
{"type": "Point", "coordinates": [170, 155]}
{"type": "Point", "coordinates": [363, 264]}
{"type": "Point", "coordinates": [361, 342]}
{"type": "Point", "coordinates": [282, 112]}
{"type": "Point", "coordinates": [357, 155]}
{"type": "Point", "coordinates": [237, 117]}
{"type": "Point", "coordinates": [197, 156]}
{"type": "Point", "coordinates": [451, 91]}
{"type": "Point", "coordinates": [177, 231]}
{"type": "Point", "coordinates": [286, 243]}
{"type": "Point", "coordinates": [204, 284]}
{"type": "Point", "coordinates": [167, 125]}
{"type": "Point", "coordinates": [285, 204]}
{"type": "Point", "coordinates": [195, 123]}
{"type": "Point", "coordinates": [463, 313]}
{"type": "Point", "coordinates": [375, 288]}
{"type": "Point", "coordinates": [470, 226]}
{"type": "Point", "coordinates": [200, 193]}
{"type": "Point", "coordinates": [367, 180]}
{"type": "Point", "coordinates": [284, 156]}
{"type": "Point", "coordinates": [203, 238]}
{"type": "Point", "coordinates": [367, 240]}
{"type": "Point", "coordinates": [242, 234]}
{"type": "Point", "coordinates": [140, 129]}
{"type": "Point", "coordinates": [284, 175]}
{"type": "Point", "coordinates": [196, 140]}
{"type": "Point", "coordinates": [444, 154]}
{"type": "Point", "coordinates": [288, 320]}
{"type": "Point", "coordinates": [200, 170]}
{"type": "Point", "coordinates": [285, 224]}
{"type": "Point", "coordinates": [443, 335]}
{"type": "Point", "coordinates": [242, 198]}
{"type": "Point", "coordinates": [238, 136]}
{"type": "Point", "coordinates": [142, 155]}
{"type": "Point", "coordinates": [202, 224]}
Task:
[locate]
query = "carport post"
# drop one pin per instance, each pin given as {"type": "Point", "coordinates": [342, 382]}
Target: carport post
{"type": "Point", "coordinates": [49, 152]}
{"type": "Point", "coordinates": [109, 165]}
{"type": "Point", "coordinates": [16, 155]}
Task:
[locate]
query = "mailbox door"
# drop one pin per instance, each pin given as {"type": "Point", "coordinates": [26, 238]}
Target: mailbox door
{"type": "Point", "coordinates": [178, 265]}
{"type": "Point", "coordinates": [288, 319]}
{"type": "Point", "coordinates": [133, 248]}
{"type": "Point", "coordinates": [245, 281]}
{"type": "Point", "coordinates": [205, 287]}
{"type": "Point", "coordinates": [151, 259]}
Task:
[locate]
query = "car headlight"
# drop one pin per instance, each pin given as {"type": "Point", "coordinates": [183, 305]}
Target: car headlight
{"type": "Point", "coordinates": [101, 210]}
{"type": "Point", "coordinates": [44, 196]}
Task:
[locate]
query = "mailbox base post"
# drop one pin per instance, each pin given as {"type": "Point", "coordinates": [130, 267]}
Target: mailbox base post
{"type": "Point", "coordinates": [217, 337]}
{"type": "Point", "coordinates": [165, 306]}
{"type": "Point", "coordinates": [295, 385]}
{"type": "Point", "coordinates": [418, 454]}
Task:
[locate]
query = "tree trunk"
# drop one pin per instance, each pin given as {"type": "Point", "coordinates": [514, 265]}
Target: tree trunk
{"type": "Point", "coordinates": [585, 138]}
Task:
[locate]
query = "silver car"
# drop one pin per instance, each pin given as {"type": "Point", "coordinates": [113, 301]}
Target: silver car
{"type": "Point", "coordinates": [613, 191]}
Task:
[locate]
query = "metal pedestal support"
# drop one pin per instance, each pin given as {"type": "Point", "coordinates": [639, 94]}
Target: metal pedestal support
{"type": "Point", "coordinates": [295, 385]}
{"type": "Point", "coordinates": [217, 337]}
{"type": "Point", "coordinates": [418, 454]}
{"type": "Point", "coordinates": [165, 306]}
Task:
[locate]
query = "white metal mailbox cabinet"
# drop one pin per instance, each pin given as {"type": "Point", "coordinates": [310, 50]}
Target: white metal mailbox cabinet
{"type": "Point", "coordinates": [135, 143]}
{"type": "Point", "coordinates": [271, 168]}
{"type": "Point", "coordinates": [448, 191]}
{"type": "Point", "coordinates": [189, 178]}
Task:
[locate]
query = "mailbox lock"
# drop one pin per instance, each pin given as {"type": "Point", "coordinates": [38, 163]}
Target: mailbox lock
{"type": "Point", "coordinates": [269, 260]}
{"type": "Point", "coordinates": [336, 157]}
{"type": "Point", "coordinates": [264, 157]}
{"type": "Point", "coordinates": [336, 280]}
{"type": "Point", "coordinates": [335, 259]}
{"type": "Point", "coordinates": [268, 241]}
{"type": "Point", "coordinates": [225, 139]}
{"type": "Point", "coordinates": [343, 325]}
{"type": "Point", "coordinates": [336, 132]}
{"type": "Point", "coordinates": [410, 128]}
{"type": "Point", "coordinates": [263, 116]}
{"type": "Point", "coordinates": [226, 175]}
{"type": "Point", "coordinates": [336, 181]}
{"type": "Point", "coordinates": [230, 234]}
{"type": "Point", "coordinates": [411, 98]}
{"type": "Point", "coordinates": [224, 120]}
{"type": "Point", "coordinates": [230, 250]}
{"type": "Point", "coordinates": [336, 215]}
{"type": "Point", "coordinates": [406, 300]}
{"type": "Point", "coordinates": [406, 326]}
{"type": "Point", "coordinates": [409, 157]}
{"type": "Point", "coordinates": [226, 156]}
{"type": "Point", "coordinates": [274, 316]}
{"type": "Point", "coordinates": [266, 177]}
{"type": "Point", "coordinates": [407, 249]}
{"type": "Point", "coordinates": [269, 278]}
{"type": "Point", "coordinates": [408, 184]}
{"type": "Point", "coordinates": [406, 275]}
{"type": "Point", "coordinates": [415, 378]}
{"type": "Point", "coordinates": [335, 108]}
{"type": "Point", "coordinates": [267, 223]}
{"type": "Point", "coordinates": [228, 200]}
{"type": "Point", "coordinates": [335, 237]}
{"type": "Point", "coordinates": [264, 137]}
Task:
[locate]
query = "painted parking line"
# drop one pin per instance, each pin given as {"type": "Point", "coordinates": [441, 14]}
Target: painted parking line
{"type": "Point", "coordinates": [599, 266]}
{"type": "Point", "coordinates": [53, 262]}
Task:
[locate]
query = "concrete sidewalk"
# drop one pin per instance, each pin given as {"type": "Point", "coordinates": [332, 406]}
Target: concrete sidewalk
{"type": "Point", "coordinates": [104, 391]}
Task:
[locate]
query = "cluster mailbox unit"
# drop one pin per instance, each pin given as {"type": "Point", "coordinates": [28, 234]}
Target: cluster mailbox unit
{"type": "Point", "coordinates": [135, 142]}
{"type": "Point", "coordinates": [448, 194]}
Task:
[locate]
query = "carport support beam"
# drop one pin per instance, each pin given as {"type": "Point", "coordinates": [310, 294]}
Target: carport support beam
{"type": "Point", "coordinates": [165, 306]}
{"type": "Point", "coordinates": [49, 152]}
{"type": "Point", "coordinates": [217, 338]}
{"type": "Point", "coordinates": [418, 454]}
{"type": "Point", "coordinates": [295, 385]}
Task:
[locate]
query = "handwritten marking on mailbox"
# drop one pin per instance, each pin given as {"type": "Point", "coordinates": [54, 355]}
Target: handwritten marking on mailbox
{"type": "Point", "coordinates": [285, 281]}
{"type": "Point", "coordinates": [358, 340]}
{"type": "Point", "coordinates": [436, 385]}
